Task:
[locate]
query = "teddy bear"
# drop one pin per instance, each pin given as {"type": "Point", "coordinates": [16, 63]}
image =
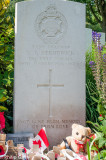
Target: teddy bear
{"type": "Point", "coordinates": [78, 141]}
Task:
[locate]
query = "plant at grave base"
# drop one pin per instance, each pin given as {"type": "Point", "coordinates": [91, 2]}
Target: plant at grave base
{"type": "Point", "coordinates": [98, 67]}
{"type": "Point", "coordinates": [6, 63]}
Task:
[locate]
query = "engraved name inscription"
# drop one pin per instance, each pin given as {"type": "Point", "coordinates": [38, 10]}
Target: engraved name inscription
{"type": "Point", "coordinates": [50, 55]}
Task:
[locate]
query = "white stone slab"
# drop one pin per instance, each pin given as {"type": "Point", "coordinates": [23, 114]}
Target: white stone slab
{"type": "Point", "coordinates": [102, 40]}
{"type": "Point", "coordinates": [88, 39]}
{"type": "Point", "coordinates": [49, 67]}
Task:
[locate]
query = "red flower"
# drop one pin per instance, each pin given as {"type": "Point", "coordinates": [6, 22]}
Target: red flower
{"type": "Point", "coordinates": [2, 120]}
{"type": "Point", "coordinates": [1, 151]}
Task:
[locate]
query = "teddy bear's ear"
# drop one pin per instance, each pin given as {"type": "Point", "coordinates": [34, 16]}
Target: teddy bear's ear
{"type": "Point", "coordinates": [74, 125]}
{"type": "Point", "coordinates": [89, 130]}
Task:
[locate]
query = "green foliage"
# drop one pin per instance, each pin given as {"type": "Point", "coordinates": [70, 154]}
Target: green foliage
{"type": "Point", "coordinates": [11, 9]}
{"type": "Point", "coordinates": [94, 27]}
{"type": "Point", "coordinates": [6, 62]}
{"type": "Point", "coordinates": [100, 140]}
{"type": "Point", "coordinates": [98, 70]}
{"type": "Point", "coordinates": [91, 91]}
{"type": "Point", "coordinates": [88, 151]}
{"type": "Point", "coordinates": [7, 14]}
{"type": "Point", "coordinates": [95, 14]}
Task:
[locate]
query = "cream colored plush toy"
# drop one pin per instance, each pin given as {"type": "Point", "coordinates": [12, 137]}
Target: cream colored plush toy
{"type": "Point", "coordinates": [78, 141]}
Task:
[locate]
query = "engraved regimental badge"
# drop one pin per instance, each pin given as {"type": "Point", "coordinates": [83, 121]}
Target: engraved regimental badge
{"type": "Point", "coordinates": [51, 25]}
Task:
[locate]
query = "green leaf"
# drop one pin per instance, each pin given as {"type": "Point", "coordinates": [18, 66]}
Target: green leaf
{"type": "Point", "coordinates": [100, 108]}
{"type": "Point", "coordinates": [104, 122]}
{"type": "Point", "coordinates": [94, 99]}
{"type": "Point", "coordinates": [2, 50]}
{"type": "Point", "coordinates": [2, 108]}
{"type": "Point", "coordinates": [12, 74]}
{"type": "Point", "coordinates": [99, 156]}
{"type": "Point", "coordinates": [3, 99]}
{"type": "Point", "coordinates": [6, 74]}
{"type": "Point", "coordinates": [10, 118]}
{"type": "Point", "coordinates": [93, 148]}
{"type": "Point", "coordinates": [9, 82]}
{"type": "Point", "coordinates": [88, 151]}
{"type": "Point", "coordinates": [9, 67]}
{"type": "Point", "coordinates": [103, 152]}
{"type": "Point", "coordinates": [1, 77]}
{"type": "Point", "coordinates": [96, 157]}
{"type": "Point", "coordinates": [102, 142]}
{"type": "Point", "coordinates": [95, 125]}
{"type": "Point", "coordinates": [4, 81]}
{"type": "Point", "coordinates": [2, 93]}
{"type": "Point", "coordinates": [100, 118]}
{"type": "Point", "coordinates": [99, 134]}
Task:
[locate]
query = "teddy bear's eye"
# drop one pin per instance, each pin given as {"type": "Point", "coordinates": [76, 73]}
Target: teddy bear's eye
{"type": "Point", "coordinates": [77, 133]}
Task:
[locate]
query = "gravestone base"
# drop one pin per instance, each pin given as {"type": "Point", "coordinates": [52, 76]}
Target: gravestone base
{"type": "Point", "coordinates": [20, 138]}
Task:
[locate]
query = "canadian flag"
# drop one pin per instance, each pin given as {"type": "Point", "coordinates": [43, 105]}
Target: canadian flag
{"type": "Point", "coordinates": [40, 139]}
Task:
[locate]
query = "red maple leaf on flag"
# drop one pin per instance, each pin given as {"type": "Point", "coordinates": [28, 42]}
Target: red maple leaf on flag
{"type": "Point", "coordinates": [39, 143]}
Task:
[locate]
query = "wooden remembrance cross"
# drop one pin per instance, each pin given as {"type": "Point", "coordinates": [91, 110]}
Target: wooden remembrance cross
{"type": "Point", "coordinates": [50, 85]}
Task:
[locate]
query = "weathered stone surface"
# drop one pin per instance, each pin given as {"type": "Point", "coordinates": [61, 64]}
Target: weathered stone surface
{"type": "Point", "coordinates": [49, 67]}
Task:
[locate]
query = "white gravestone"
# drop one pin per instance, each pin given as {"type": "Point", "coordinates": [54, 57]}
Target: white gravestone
{"type": "Point", "coordinates": [102, 39]}
{"type": "Point", "coordinates": [88, 39]}
{"type": "Point", "coordinates": [49, 67]}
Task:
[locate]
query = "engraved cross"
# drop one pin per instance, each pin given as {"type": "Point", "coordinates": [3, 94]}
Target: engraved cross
{"type": "Point", "coordinates": [50, 85]}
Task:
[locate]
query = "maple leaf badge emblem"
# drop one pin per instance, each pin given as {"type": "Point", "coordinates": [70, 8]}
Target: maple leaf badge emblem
{"type": "Point", "coordinates": [37, 142]}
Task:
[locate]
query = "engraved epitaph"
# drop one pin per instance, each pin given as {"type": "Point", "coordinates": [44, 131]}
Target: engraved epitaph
{"type": "Point", "coordinates": [49, 67]}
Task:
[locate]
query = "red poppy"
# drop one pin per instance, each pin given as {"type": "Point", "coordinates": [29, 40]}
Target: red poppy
{"type": "Point", "coordinates": [2, 120]}
{"type": "Point", "coordinates": [2, 150]}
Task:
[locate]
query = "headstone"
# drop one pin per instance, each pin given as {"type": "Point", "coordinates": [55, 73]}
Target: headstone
{"type": "Point", "coordinates": [88, 39]}
{"type": "Point", "coordinates": [102, 39]}
{"type": "Point", "coordinates": [20, 138]}
{"type": "Point", "coordinates": [49, 67]}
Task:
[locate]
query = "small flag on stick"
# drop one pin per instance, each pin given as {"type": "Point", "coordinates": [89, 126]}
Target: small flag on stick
{"type": "Point", "coordinates": [40, 139]}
